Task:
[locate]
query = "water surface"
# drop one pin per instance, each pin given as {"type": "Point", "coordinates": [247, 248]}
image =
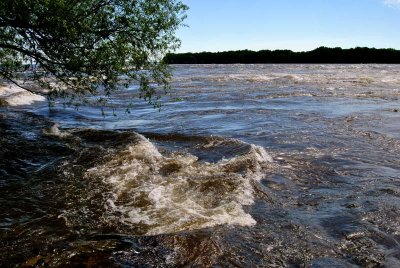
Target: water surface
{"type": "Point", "coordinates": [245, 165]}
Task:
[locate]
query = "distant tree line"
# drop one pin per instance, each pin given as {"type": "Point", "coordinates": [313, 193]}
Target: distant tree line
{"type": "Point", "coordinates": [319, 55]}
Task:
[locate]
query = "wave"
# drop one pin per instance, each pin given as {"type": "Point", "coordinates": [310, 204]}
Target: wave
{"type": "Point", "coordinates": [296, 75]}
{"type": "Point", "coordinates": [15, 96]}
{"type": "Point", "coordinates": [165, 193]}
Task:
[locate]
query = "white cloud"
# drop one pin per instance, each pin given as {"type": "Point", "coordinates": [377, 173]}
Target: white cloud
{"type": "Point", "coordinates": [392, 3]}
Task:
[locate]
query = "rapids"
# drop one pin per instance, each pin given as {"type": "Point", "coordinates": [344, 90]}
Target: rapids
{"type": "Point", "coordinates": [245, 165]}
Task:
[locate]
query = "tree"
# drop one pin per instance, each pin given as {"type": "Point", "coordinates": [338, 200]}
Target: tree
{"type": "Point", "coordinates": [71, 48]}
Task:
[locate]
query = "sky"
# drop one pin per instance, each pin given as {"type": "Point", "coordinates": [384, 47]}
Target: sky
{"type": "Point", "coordinates": [298, 25]}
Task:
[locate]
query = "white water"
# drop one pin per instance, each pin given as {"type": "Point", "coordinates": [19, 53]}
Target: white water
{"type": "Point", "coordinates": [177, 192]}
{"type": "Point", "coordinates": [331, 199]}
{"type": "Point", "coordinates": [16, 96]}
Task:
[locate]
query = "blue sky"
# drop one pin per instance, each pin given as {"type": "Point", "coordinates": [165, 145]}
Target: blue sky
{"type": "Point", "coordinates": [299, 25]}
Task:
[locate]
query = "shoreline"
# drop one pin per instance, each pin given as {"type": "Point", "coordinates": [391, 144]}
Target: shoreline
{"type": "Point", "coordinates": [321, 55]}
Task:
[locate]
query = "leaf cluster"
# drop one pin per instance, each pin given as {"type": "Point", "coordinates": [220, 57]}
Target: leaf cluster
{"type": "Point", "coordinates": [72, 48]}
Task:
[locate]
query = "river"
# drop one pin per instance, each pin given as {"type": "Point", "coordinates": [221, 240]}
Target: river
{"type": "Point", "coordinates": [243, 166]}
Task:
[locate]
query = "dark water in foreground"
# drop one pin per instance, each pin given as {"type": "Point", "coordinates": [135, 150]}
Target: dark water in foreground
{"type": "Point", "coordinates": [253, 166]}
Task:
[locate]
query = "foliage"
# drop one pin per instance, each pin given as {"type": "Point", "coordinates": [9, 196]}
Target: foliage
{"type": "Point", "coordinates": [319, 55]}
{"type": "Point", "coordinates": [74, 47]}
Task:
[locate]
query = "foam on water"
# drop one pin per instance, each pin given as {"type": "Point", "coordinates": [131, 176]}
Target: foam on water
{"type": "Point", "coordinates": [55, 131]}
{"type": "Point", "coordinates": [165, 194]}
{"type": "Point", "coordinates": [297, 75]}
{"type": "Point", "coordinates": [15, 96]}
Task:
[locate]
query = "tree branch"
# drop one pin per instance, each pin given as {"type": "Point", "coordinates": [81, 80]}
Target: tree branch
{"type": "Point", "coordinates": [8, 77]}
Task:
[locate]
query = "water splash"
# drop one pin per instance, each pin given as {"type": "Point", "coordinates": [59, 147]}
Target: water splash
{"type": "Point", "coordinates": [177, 192]}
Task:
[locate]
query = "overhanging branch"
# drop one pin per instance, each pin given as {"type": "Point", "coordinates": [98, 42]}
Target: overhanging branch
{"type": "Point", "coordinates": [8, 78]}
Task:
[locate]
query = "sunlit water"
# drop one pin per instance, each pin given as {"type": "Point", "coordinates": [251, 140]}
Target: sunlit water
{"type": "Point", "coordinates": [245, 165]}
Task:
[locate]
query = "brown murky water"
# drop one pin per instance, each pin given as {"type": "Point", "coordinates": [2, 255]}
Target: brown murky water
{"type": "Point", "coordinates": [245, 166]}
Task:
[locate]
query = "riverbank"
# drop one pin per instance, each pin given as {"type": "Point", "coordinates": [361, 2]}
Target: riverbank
{"type": "Point", "coordinates": [321, 55]}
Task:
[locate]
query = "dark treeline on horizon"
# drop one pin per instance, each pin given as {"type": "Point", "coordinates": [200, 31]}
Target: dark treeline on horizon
{"type": "Point", "coordinates": [319, 55]}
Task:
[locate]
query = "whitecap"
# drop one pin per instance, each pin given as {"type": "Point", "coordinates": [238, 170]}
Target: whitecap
{"type": "Point", "coordinates": [16, 96]}
{"type": "Point", "coordinates": [174, 193]}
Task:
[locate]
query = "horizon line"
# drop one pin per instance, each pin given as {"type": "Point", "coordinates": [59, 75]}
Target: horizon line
{"type": "Point", "coordinates": [286, 49]}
